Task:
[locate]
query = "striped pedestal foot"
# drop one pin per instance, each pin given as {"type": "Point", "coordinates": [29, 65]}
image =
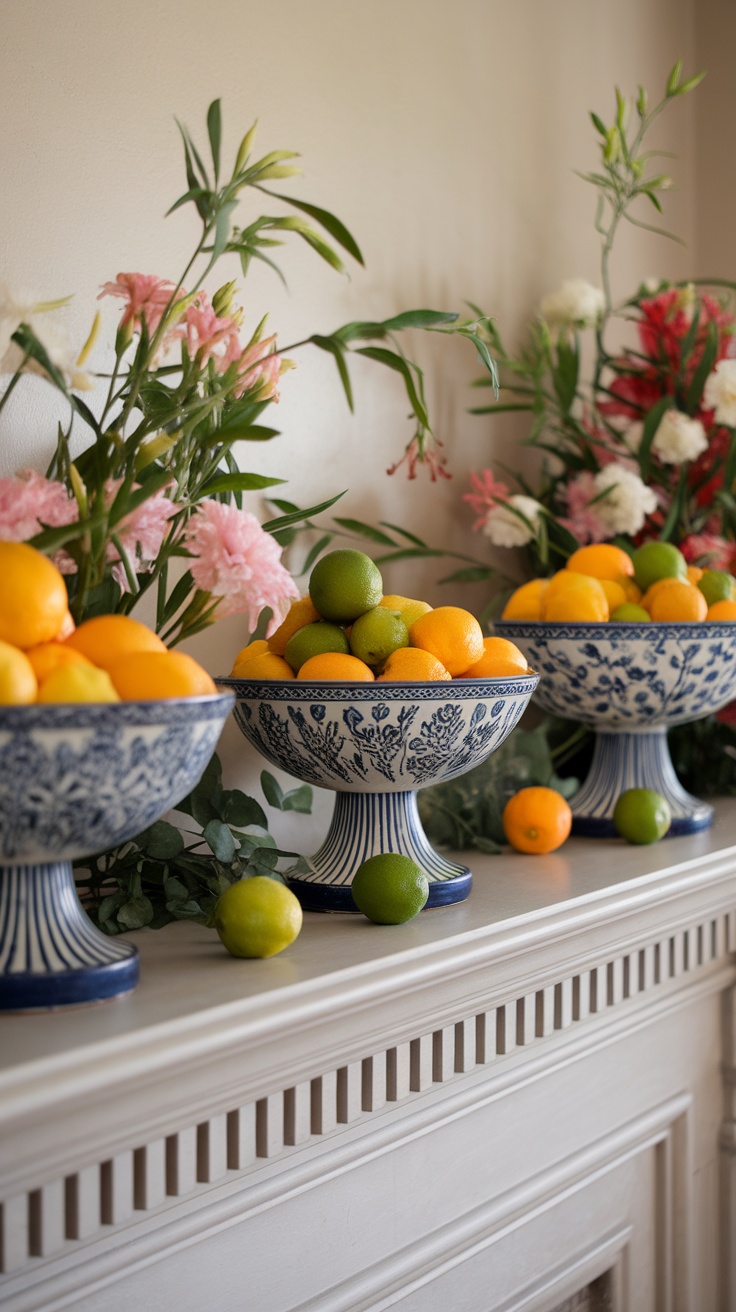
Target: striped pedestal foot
{"type": "Point", "coordinates": [363, 825]}
{"type": "Point", "coordinates": [633, 760]}
{"type": "Point", "coordinates": [51, 955]}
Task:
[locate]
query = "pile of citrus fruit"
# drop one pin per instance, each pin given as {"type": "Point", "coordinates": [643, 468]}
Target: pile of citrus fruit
{"type": "Point", "coordinates": [346, 628]}
{"type": "Point", "coordinates": [45, 658]}
{"type": "Point", "coordinates": [603, 582]}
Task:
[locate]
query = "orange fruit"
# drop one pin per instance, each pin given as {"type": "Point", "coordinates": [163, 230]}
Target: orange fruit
{"type": "Point", "coordinates": [655, 588]}
{"type": "Point", "coordinates": [579, 600]}
{"type": "Point", "coordinates": [694, 573]}
{"type": "Point", "coordinates": [412, 665]}
{"type": "Point", "coordinates": [67, 626]}
{"type": "Point", "coordinates": [301, 612]}
{"type": "Point", "coordinates": [526, 602]}
{"type": "Point", "coordinates": [722, 610]}
{"type": "Point", "coordinates": [33, 596]}
{"type": "Point", "coordinates": [263, 665]}
{"type": "Point", "coordinates": [536, 820]}
{"type": "Point", "coordinates": [257, 648]}
{"type": "Point", "coordinates": [602, 560]}
{"type": "Point", "coordinates": [18, 683]}
{"type": "Point", "coordinates": [147, 676]}
{"type": "Point", "coordinates": [107, 638]}
{"type": "Point", "coordinates": [682, 601]}
{"type": "Point", "coordinates": [615, 594]}
{"type": "Point", "coordinates": [451, 634]}
{"type": "Point", "coordinates": [49, 656]}
{"type": "Point", "coordinates": [78, 681]}
{"type": "Point", "coordinates": [500, 659]}
{"type": "Point", "coordinates": [330, 666]}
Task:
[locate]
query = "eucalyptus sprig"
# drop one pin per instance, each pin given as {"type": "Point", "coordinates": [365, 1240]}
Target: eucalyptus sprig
{"type": "Point", "coordinates": [176, 871]}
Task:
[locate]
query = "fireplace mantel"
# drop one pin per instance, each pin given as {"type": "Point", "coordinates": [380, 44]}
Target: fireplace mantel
{"type": "Point", "coordinates": [488, 1108]}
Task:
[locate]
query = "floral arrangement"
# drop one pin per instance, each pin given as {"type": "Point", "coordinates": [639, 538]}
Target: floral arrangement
{"type": "Point", "coordinates": [641, 442]}
{"type": "Point", "coordinates": [153, 503]}
{"type": "Point", "coordinates": [155, 499]}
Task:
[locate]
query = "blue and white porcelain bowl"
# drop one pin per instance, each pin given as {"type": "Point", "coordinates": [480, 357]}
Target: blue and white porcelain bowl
{"type": "Point", "coordinates": [374, 745]}
{"type": "Point", "coordinates": [75, 780]}
{"type": "Point", "coordinates": [630, 682]}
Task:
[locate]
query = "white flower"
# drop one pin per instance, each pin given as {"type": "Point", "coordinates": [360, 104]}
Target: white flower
{"type": "Point", "coordinates": [576, 302]}
{"type": "Point", "coordinates": [719, 393]}
{"type": "Point", "coordinates": [679, 438]}
{"type": "Point", "coordinates": [627, 502]}
{"type": "Point", "coordinates": [507, 529]}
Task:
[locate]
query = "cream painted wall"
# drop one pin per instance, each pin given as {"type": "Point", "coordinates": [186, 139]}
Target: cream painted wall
{"type": "Point", "coordinates": [445, 135]}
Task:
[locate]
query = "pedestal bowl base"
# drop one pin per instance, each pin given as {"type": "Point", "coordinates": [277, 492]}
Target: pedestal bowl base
{"type": "Point", "coordinates": [364, 825]}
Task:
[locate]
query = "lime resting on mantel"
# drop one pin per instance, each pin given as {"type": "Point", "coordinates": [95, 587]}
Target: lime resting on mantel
{"type": "Point", "coordinates": [390, 888]}
{"type": "Point", "coordinates": [642, 815]}
{"type": "Point", "coordinates": [257, 917]}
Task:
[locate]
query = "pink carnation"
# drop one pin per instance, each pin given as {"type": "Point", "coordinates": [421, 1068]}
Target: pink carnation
{"type": "Point", "coordinates": [583, 519]}
{"type": "Point", "coordinates": [209, 337]}
{"type": "Point", "coordinates": [488, 494]}
{"type": "Point", "coordinates": [30, 502]}
{"type": "Point", "coordinates": [260, 366]}
{"type": "Point", "coordinates": [236, 560]}
{"type": "Point", "coordinates": [146, 295]}
{"type": "Point", "coordinates": [141, 534]}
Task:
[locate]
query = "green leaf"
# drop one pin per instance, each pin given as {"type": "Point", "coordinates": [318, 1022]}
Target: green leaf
{"type": "Point", "coordinates": [404, 533]}
{"type": "Point", "coordinates": [401, 366]}
{"type": "Point", "coordinates": [240, 810]}
{"type": "Point", "coordinates": [297, 516]}
{"type": "Point", "coordinates": [299, 799]}
{"type": "Point", "coordinates": [366, 531]}
{"type": "Point", "coordinates": [598, 124]}
{"type": "Point", "coordinates": [220, 840]}
{"type": "Point", "coordinates": [329, 222]}
{"type": "Point", "coordinates": [651, 424]}
{"type": "Point", "coordinates": [238, 483]}
{"type": "Point", "coordinates": [272, 790]}
{"type": "Point", "coordinates": [705, 367]}
{"type": "Point", "coordinates": [162, 841]}
{"type": "Point", "coordinates": [136, 912]}
{"type": "Point", "coordinates": [336, 350]}
{"type": "Point", "coordinates": [674, 78]}
{"type": "Point", "coordinates": [214, 130]}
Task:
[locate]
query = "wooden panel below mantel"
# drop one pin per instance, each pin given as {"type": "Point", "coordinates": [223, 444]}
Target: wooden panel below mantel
{"type": "Point", "coordinates": [493, 1107]}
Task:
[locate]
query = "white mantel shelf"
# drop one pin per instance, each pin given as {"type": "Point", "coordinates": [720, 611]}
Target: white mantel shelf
{"type": "Point", "coordinates": [224, 1097]}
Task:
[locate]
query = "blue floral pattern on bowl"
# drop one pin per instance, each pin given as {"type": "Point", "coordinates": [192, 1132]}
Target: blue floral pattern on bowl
{"type": "Point", "coordinates": [388, 739]}
{"type": "Point", "coordinates": [75, 780]}
{"type": "Point", "coordinates": [375, 744]}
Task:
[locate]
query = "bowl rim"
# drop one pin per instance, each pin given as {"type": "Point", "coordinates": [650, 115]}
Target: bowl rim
{"type": "Point", "coordinates": [389, 690]}
{"type": "Point", "coordinates": [88, 715]}
{"type": "Point", "coordinates": [598, 628]}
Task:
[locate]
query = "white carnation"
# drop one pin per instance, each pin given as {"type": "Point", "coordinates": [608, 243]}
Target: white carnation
{"type": "Point", "coordinates": [719, 393]}
{"type": "Point", "coordinates": [506, 529]}
{"type": "Point", "coordinates": [627, 502]}
{"type": "Point", "coordinates": [576, 302]}
{"type": "Point", "coordinates": [679, 438]}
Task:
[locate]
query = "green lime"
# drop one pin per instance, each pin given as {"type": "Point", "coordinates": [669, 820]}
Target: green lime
{"type": "Point", "coordinates": [257, 917]}
{"type": "Point", "coordinates": [390, 889]}
{"type": "Point", "coordinates": [344, 584]}
{"type": "Point", "coordinates": [641, 815]}
{"type": "Point", "coordinates": [630, 613]}
{"type": "Point", "coordinates": [658, 560]}
{"type": "Point", "coordinates": [717, 585]}
{"type": "Point", "coordinates": [376, 633]}
{"type": "Point", "coordinates": [312, 640]}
